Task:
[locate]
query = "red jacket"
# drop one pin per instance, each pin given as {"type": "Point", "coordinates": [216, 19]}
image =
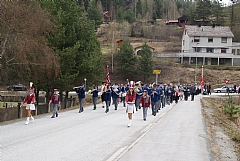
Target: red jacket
{"type": "Point", "coordinates": [145, 102]}
{"type": "Point", "coordinates": [29, 99]}
{"type": "Point", "coordinates": [130, 98]}
{"type": "Point", "coordinates": [55, 98]}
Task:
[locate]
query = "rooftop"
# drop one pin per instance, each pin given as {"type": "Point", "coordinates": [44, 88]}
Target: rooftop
{"type": "Point", "coordinates": [217, 31]}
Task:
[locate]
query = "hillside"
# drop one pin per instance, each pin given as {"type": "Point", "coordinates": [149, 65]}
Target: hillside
{"type": "Point", "coordinates": [171, 72]}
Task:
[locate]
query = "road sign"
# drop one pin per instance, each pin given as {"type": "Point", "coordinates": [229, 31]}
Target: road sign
{"type": "Point", "coordinates": [156, 71]}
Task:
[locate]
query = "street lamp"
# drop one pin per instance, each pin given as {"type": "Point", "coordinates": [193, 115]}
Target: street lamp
{"type": "Point", "coordinates": [196, 65]}
{"type": "Point", "coordinates": [85, 80]}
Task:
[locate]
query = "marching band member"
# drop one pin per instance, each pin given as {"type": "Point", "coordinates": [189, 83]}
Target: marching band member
{"type": "Point", "coordinates": [154, 99]}
{"type": "Point", "coordinates": [130, 99]}
{"type": "Point", "coordinates": [115, 95]}
{"type": "Point", "coordinates": [139, 93]}
{"type": "Point", "coordinates": [81, 95]}
{"type": "Point", "coordinates": [108, 94]}
{"type": "Point", "coordinates": [30, 104]}
{"type": "Point", "coordinates": [103, 90]}
{"type": "Point", "coordinates": [123, 94]}
{"type": "Point", "coordinates": [55, 99]}
{"type": "Point", "coordinates": [94, 93]}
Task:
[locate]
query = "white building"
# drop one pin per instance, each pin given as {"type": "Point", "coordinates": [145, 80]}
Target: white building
{"type": "Point", "coordinates": [209, 45]}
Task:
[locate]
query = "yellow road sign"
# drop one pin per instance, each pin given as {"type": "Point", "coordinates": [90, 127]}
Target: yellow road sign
{"type": "Point", "coordinates": [156, 71]}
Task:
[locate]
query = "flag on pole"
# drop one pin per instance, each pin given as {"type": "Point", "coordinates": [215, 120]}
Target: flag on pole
{"type": "Point", "coordinates": [226, 81]}
{"type": "Point", "coordinates": [202, 82]}
{"type": "Point", "coordinates": [108, 75]}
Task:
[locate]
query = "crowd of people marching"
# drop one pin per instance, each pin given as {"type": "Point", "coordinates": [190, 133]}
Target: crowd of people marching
{"type": "Point", "coordinates": [133, 96]}
{"type": "Point", "coordinates": [137, 95]}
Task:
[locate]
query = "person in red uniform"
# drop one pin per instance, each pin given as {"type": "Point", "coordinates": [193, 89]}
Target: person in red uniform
{"type": "Point", "coordinates": [145, 103]}
{"type": "Point", "coordinates": [29, 99]}
{"type": "Point", "coordinates": [130, 100]}
{"type": "Point", "coordinates": [55, 100]}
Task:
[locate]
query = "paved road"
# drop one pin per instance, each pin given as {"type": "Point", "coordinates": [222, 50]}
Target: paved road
{"type": "Point", "coordinates": [177, 133]}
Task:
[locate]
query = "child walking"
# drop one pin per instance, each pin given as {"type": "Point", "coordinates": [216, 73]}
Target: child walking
{"type": "Point", "coordinates": [145, 103]}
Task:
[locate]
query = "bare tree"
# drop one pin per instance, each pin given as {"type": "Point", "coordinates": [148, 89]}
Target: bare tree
{"type": "Point", "coordinates": [25, 53]}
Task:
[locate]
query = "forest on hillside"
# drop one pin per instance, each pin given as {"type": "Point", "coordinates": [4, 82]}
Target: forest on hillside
{"type": "Point", "coordinates": [208, 11]}
{"type": "Point", "coordinates": [54, 43]}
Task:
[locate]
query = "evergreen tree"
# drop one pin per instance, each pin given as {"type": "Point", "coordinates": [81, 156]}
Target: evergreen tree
{"type": "Point", "coordinates": [158, 5]}
{"type": "Point", "coordinates": [76, 43]}
{"type": "Point", "coordinates": [126, 59]}
{"type": "Point", "coordinates": [154, 16]}
{"type": "Point", "coordinates": [120, 15]}
{"type": "Point", "coordinates": [218, 14]}
{"type": "Point", "coordinates": [129, 16]}
{"type": "Point", "coordinates": [203, 9]}
{"type": "Point", "coordinates": [132, 32]}
{"type": "Point", "coordinates": [94, 14]}
{"type": "Point", "coordinates": [145, 65]}
{"type": "Point", "coordinates": [139, 8]}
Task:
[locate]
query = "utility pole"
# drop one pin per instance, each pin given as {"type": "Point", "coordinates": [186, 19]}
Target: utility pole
{"type": "Point", "coordinates": [112, 49]}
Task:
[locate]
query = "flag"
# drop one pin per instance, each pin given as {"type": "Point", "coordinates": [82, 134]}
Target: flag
{"type": "Point", "coordinates": [202, 82]}
{"type": "Point", "coordinates": [107, 75]}
{"type": "Point", "coordinates": [226, 81]}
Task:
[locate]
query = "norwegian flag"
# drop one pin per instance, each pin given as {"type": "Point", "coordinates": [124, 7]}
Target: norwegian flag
{"type": "Point", "coordinates": [202, 82]}
{"type": "Point", "coordinates": [226, 81]}
{"type": "Point", "coordinates": [108, 75]}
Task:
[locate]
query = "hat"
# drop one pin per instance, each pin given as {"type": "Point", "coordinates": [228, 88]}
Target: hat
{"type": "Point", "coordinates": [144, 90]}
{"type": "Point", "coordinates": [154, 85]}
{"type": "Point", "coordinates": [55, 89]}
{"type": "Point", "coordinates": [136, 84]}
{"type": "Point", "coordinates": [82, 84]}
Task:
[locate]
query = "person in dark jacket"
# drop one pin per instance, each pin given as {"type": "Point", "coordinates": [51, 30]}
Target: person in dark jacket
{"type": "Point", "coordinates": [80, 90]}
{"type": "Point", "coordinates": [185, 91]}
{"type": "Point", "coordinates": [154, 100]}
{"type": "Point", "coordinates": [94, 93]}
{"type": "Point", "coordinates": [108, 98]}
{"type": "Point", "coordinates": [192, 91]}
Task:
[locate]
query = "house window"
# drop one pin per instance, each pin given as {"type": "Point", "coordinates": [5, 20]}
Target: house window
{"type": "Point", "coordinates": [210, 39]}
{"type": "Point", "coordinates": [224, 40]}
{"type": "Point", "coordinates": [197, 49]}
{"type": "Point", "coordinates": [183, 42]}
{"type": "Point", "coordinates": [238, 51]}
{"type": "Point", "coordinates": [196, 38]}
{"type": "Point", "coordinates": [210, 50]}
{"type": "Point", "coordinates": [233, 51]}
{"type": "Point", "coordinates": [223, 50]}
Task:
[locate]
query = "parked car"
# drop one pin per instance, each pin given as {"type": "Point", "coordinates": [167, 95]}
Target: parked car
{"type": "Point", "coordinates": [223, 89]}
{"type": "Point", "coordinates": [17, 87]}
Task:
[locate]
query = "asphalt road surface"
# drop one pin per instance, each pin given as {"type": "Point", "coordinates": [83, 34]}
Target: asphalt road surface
{"type": "Point", "coordinates": [176, 133]}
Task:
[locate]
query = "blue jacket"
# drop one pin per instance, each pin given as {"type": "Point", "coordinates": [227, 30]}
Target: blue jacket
{"type": "Point", "coordinates": [108, 95]}
{"type": "Point", "coordinates": [81, 92]}
{"type": "Point", "coordinates": [95, 93]}
{"type": "Point", "coordinates": [154, 97]}
{"type": "Point", "coordinates": [139, 94]}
